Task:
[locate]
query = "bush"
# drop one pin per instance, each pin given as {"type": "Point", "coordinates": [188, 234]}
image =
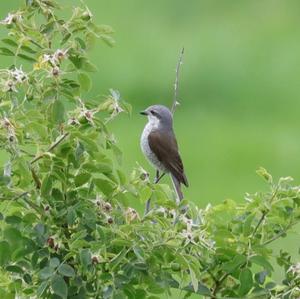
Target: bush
{"type": "Point", "coordinates": [67, 228]}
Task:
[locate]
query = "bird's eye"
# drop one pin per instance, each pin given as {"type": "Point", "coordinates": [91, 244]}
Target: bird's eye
{"type": "Point", "coordinates": [152, 112]}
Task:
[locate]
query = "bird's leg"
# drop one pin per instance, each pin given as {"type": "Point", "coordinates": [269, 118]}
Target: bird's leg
{"type": "Point", "coordinates": [158, 177]}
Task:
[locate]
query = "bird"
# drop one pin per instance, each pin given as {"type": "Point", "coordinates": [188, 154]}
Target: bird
{"type": "Point", "coordinates": [159, 145]}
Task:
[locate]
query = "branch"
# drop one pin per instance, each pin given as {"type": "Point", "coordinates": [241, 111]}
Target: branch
{"type": "Point", "coordinates": [176, 85]}
{"type": "Point", "coordinates": [51, 148]}
{"type": "Point", "coordinates": [31, 204]}
{"type": "Point", "coordinates": [264, 214]}
{"type": "Point", "coordinates": [280, 234]}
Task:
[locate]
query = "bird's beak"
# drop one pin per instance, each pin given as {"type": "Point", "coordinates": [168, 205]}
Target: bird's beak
{"type": "Point", "coordinates": [144, 112]}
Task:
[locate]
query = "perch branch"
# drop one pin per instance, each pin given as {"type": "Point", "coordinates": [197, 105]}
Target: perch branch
{"type": "Point", "coordinates": [176, 84]}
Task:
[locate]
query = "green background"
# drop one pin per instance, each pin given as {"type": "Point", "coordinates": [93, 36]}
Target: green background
{"type": "Point", "coordinates": [239, 86]}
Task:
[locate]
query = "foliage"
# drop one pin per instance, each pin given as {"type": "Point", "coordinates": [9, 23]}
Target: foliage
{"type": "Point", "coordinates": [66, 225]}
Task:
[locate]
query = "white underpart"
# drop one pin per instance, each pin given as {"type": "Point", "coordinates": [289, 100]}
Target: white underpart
{"type": "Point", "coordinates": [153, 123]}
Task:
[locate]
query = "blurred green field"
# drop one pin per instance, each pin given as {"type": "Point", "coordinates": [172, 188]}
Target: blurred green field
{"type": "Point", "coordinates": [239, 86]}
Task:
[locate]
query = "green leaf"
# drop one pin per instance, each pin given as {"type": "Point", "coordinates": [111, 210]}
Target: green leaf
{"type": "Point", "coordinates": [85, 257]}
{"type": "Point", "coordinates": [13, 236]}
{"type": "Point", "coordinates": [82, 178]}
{"type": "Point", "coordinates": [246, 282]}
{"type": "Point", "coordinates": [10, 42]}
{"type": "Point", "coordinates": [247, 225]}
{"type": "Point", "coordinates": [15, 269]}
{"type": "Point", "coordinates": [85, 81]}
{"type": "Point", "coordinates": [45, 273]}
{"type": "Point", "coordinates": [145, 193]}
{"type": "Point", "coordinates": [106, 186]}
{"type": "Point", "coordinates": [6, 52]}
{"type": "Point", "coordinates": [59, 286]}
{"type": "Point", "coordinates": [194, 279]}
{"type": "Point", "coordinates": [47, 28]}
{"type": "Point", "coordinates": [13, 219]}
{"type": "Point", "coordinates": [46, 185]}
{"type": "Point", "coordinates": [66, 270]}
{"type": "Point", "coordinates": [54, 262]}
{"type": "Point", "coordinates": [108, 40]}
{"type": "Point", "coordinates": [65, 38]}
{"type": "Point", "coordinates": [58, 112]}
{"type": "Point", "coordinates": [41, 289]}
{"type": "Point", "coordinates": [260, 277]}
{"type": "Point", "coordinates": [88, 66]}
{"type": "Point", "coordinates": [261, 261]}
{"type": "Point", "coordinates": [71, 216]}
{"type": "Point", "coordinates": [5, 252]}
{"type": "Point", "coordinates": [25, 57]}
{"type": "Point", "coordinates": [28, 49]}
{"type": "Point", "coordinates": [237, 261]}
{"type": "Point", "coordinates": [81, 42]}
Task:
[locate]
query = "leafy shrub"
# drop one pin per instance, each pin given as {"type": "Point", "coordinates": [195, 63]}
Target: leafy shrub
{"type": "Point", "coordinates": [67, 228]}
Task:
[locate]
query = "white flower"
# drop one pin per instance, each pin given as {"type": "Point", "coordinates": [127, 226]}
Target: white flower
{"type": "Point", "coordinates": [10, 86]}
{"type": "Point", "coordinates": [60, 54]}
{"type": "Point", "coordinates": [18, 75]}
{"type": "Point", "coordinates": [295, 269]}
{"type": "Point", "coordinates": [131, 215]}
{"type": "Point", "coordinates": [187, 235]}
{"type": "Point", "coordinates": [11, 18]}
{"type": "Point", "coordinates": [51, 59]}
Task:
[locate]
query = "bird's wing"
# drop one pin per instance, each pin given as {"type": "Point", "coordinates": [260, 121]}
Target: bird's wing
{"type": "Point", "coordinates": [164, 146]}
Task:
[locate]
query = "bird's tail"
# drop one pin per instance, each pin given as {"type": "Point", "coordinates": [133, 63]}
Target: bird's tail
{"type": "Point", "coordinates": [177, 188]}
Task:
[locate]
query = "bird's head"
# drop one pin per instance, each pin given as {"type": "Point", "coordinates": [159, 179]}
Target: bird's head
{"type": "Point", "coordinates": [158, 114]}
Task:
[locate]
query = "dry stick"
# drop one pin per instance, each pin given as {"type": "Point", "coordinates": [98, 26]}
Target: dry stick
{"type": "Point", "coordinates": [175, 103]}
{"type": "Point", "coordinates": [176, 84]}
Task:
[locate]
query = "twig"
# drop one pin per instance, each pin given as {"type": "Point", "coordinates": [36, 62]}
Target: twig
{"type": "Point", "coordinates": [176, 84]}
{"type": "Point", "coordinates": [21, 195]}
{"type": "Point", "coordinates": [277, 236]}
{"type": "Point", "coordinates": [264, 214]}
{"type": "Point", "coordinates": [51, 148]}
{"type": "Point", "coordinates": [31, 204]}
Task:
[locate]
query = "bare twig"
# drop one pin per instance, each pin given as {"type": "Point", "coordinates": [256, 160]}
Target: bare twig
{"type": "Point", "coordinates": [51, 148]}
{"type": "Point", "coordinates": [176, 84]}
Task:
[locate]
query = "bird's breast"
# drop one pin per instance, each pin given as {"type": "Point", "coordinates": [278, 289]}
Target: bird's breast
{"type": "Point", "coordinates": [147, 150]}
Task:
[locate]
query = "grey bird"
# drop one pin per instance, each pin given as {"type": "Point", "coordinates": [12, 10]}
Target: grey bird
{"type": "Point", "coordinates": [159, 145]}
